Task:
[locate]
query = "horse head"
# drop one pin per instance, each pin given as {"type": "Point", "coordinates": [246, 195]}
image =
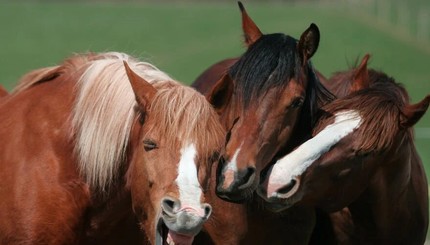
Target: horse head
{"type": "Point", "coordinates": [261, 99]}
{"type": "Point", "coordinates": [351, 141]}
{"type": "Point", "coordinates": [176, 138]}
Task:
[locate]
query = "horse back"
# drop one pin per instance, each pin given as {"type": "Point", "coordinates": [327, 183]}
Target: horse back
{"type": "Point", "coordinates": [205, 81]}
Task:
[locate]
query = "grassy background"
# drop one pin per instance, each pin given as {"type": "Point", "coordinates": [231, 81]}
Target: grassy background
{"type": "Point", "coordinates": [185, 38]}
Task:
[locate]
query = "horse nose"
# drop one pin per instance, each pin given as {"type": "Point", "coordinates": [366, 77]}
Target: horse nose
{"type": "Point", "coordinates": [288, 189]}
{"type": "Point", "coordinates": [246, 178]}
{"type": "Point", "coordinates": [207, 210]}
{"type": "Point", "coordinates": [236, 191]}
{"type": "Point", "coordinates": [170, 206]}
{"type": "Point", "coordinates": [184, 219]}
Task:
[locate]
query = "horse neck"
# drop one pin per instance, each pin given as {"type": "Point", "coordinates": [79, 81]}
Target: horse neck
{"type": "Point", "coordinates": [395, 201]}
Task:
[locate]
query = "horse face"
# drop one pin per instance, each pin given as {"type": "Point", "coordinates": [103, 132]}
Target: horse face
{"type": "Point", "coordinates": [255, 137]}
{"type": "Point", "coordinates": [170, 162]}
{"type": "Point", "coordinates": [263, 124]}
{"type": "Point", "coordinates": [166, 185]}
{"type": "Point", "coordinates": [333, 168]}
{"type": "Point", "coordinates": [320, 169]}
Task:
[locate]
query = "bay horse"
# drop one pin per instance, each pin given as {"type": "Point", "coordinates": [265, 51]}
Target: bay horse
{"type": "Point", "coordinates": [102, 147]}
{"type": "Point", "coordinates": [362, 157]}
{"type": "Point", "coordinates": [267, 100]}
{"type": "Point", "coordinates": [268, 94]}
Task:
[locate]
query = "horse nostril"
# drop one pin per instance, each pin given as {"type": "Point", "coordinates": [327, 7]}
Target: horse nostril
{"type": "Point", "coordinates": [169, 205]}
{"type": "Point", "coordinates": [288, 187]}
{"type": "Point", "coordinates": [207, 210]}
{"type": "Point", "coordinates": [247, 176]}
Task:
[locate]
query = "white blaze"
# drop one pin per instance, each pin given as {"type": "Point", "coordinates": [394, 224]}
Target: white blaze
{"type": "Point", "coordinates": [296, 163]}
{"type": "Point", "coordinates": [231, 169]}
{"type": "Point", "coordinates": [190, 191]}
{"type": "Point", "coordinates": [232, 165]}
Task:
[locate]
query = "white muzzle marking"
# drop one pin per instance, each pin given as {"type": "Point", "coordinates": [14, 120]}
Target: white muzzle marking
{"type": "Point", "coordinates": [190, 191]}
{"type": "Point", "coordinates": [296, 163]}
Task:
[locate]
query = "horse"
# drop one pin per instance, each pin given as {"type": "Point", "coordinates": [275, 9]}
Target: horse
{"type": "Point", "coordinates": [208, 78]}
{"type": "Point", "coordinates": [361, 162]}
{"type": "Point", "coordinates": [267, 100]}
{"type": "Point", "coordinates": [3, 91]}
{"type": "Point", "coordinates": [268, 94]}
{"type": "Point", "coordinates": [105, 149]}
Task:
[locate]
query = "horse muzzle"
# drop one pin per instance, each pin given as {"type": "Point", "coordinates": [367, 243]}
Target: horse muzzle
{"type": "Point", "coordinates": [179, 224]}
{"type": "Point", "coordinates": [236, 186]}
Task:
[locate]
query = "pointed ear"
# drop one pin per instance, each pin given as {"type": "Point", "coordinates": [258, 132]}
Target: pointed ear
{"type": "Point", "coordinates": [308, 43]}
{"type": "Point", "coordinates": [413, 113]}
{"type": "Point", "coordinates": [250, 29]}
{"type": "Point", "coordinates": [3, 91]}
{"type": "Point", "coordinates": [360, 79]}
{"type": "Point", "coordinates": [221, 93]}
{"type": "Point", "coordinates": [142, 89]}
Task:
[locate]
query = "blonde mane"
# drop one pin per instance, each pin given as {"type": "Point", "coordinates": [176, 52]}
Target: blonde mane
{"type": "Point", "coordinates": [185, 116]}
{"type": "Point", "coordinates": [104, 113]}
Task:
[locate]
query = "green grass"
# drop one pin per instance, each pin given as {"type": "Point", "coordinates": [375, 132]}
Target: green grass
{"type": "Point", "coordinates": [184, 39]}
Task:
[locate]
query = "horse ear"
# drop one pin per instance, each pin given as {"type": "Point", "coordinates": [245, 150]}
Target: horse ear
{"type": "Point", "coordinates": [361, 75]}
{"type": "Point", "coordinates": [413, 113]}
{"type": "Point", "coordinates": [3, 91]}
{"type": "Point", "coordinates": [308, 43]}
{"type": "Point", "coordinates": [221, 93]}
{"type": "Point", "coordinates": [142, 89]}
{"type": "Point", "coordinates": [250, 29]}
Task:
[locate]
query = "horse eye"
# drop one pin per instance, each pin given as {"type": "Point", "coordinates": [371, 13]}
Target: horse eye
{"type": "Point", "coordinates": [297, 102]}
{"type": "Point", "coordinates": [149, 145]}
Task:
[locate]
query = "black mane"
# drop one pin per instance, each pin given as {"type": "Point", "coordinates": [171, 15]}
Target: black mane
{"type": "Point", "coordinates": [268, 63]}
{"type": "Point", "coordinates": [272, 61]}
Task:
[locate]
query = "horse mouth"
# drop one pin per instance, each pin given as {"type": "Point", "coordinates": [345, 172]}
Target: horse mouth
{"type": "Point", "coordinates": [165, 236]}
{"type": "Point", "coordinates": [277, 207]}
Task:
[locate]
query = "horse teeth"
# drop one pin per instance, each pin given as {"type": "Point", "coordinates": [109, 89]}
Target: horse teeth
{"type": "Point", "coordinates": [170, 241]}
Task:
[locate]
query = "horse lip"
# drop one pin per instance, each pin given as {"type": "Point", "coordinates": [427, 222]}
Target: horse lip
{"type": "Point", "coordinates": [277, 207]}
{"type": "Point", "coordinates": [235, 200]}
{"type": "Point", "coordinates": [160, 234]}
{"type": "Point", "coordinates": [184, 224]}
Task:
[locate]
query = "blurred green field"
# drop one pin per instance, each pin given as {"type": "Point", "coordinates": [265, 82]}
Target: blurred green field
{"type": "Point", "coordinates": [184, 39]}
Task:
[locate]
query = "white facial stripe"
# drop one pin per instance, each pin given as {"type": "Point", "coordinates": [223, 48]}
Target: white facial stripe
{"type": "Point", "coordinates": [231, 169]}
{"type": "Point", "coordinates": [190, 191]}
{"type": "Point", "coordinates": [296, 163]}
{"type": "Point", "coordinates": [232, 165]}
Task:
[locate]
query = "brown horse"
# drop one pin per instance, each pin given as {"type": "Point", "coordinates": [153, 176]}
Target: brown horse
{"type": "Point", "coordinates": [362, 157]}
{"type": "Point", "coordinates": [82, 150]}
{"type": "Point", "coordinates": [270, 93]}
{"type": "Point", "coordinates": [3, 91]}
{"type": "Point", "coordinates": [267, 99]}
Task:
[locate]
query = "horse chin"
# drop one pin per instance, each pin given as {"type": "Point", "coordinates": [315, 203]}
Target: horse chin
{"type": "Point", "coordinates": [234, 199]}
{"type": "Point", "coordinates": [165, 236]}
{"type": "Point", "coordinates": [241, 196]}
{"type": "Point", "coordinates": [277, 207]}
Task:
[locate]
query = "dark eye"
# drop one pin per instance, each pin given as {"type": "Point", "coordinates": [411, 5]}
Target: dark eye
{"type": "Point", "coordinates": [149, 145]}
{"type": "Point", "coordinates": [297, 102]}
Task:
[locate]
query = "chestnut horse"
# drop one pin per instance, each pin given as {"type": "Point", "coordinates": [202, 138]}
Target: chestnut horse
{"type": "Point", "coordinates": [362, 157]}
{"type": "Point", "coordinates": [3, 91]}
{"type": "Point", "coordinates": [97, 141]}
